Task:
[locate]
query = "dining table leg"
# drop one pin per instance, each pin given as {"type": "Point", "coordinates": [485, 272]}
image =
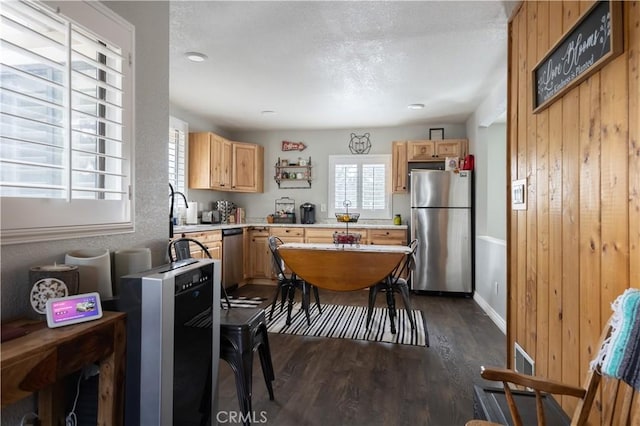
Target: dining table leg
{"type": "Point", "coordinates": [391, 304]}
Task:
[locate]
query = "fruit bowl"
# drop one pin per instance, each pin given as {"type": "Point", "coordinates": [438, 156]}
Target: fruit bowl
{"type": "Point", "coordinates": [344, 238]}
{"type": "Point", "coordinates": [347, 217]}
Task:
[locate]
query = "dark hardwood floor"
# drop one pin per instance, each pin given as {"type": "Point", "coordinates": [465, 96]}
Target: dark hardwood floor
{"type": "Point", "coordinates": [322, 381]}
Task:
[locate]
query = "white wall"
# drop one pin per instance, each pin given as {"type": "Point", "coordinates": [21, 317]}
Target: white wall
{"type": "Point", "coordinates": [495, 139]}
{"type": "Point", "coordinates": [488, 144]}
{"type": "Point", "coordinates": [151, 20]}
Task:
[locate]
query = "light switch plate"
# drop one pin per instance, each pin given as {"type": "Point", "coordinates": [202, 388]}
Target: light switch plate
{"type": "Point", "coordinates": [519, 194]}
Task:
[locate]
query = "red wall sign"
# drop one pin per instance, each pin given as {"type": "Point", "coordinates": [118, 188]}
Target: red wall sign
{"type": "Point", "coordinates": [293, 146]}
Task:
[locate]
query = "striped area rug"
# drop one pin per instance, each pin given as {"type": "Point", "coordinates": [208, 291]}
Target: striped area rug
{"type": "Point", "coordinates": [243, 302]}
{"type": "Point", "coordinates": [349, 322]}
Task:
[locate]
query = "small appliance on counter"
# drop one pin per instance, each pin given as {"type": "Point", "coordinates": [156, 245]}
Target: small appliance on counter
{"type": "Point", "coordinates": [192, 213]}
{"type": "Point", "coordinates": [227, 210]}
{"type": "Point", "coordinates": [211, 216]}
{"type": "Point", "coordinates": [307, 213]}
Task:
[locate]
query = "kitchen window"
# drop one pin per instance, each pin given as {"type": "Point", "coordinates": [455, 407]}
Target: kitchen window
{"type": "Point", "coordinates": [178, 131]}
{"type": "Point", "coordinates": [364, 181]}
{"type": "Point", "coordinates": [66, 121]}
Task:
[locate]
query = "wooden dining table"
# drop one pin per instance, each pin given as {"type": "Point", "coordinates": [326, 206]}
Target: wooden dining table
{"type": "Point", "coordinates": [342, 267]}
{"type": "Point", "coordinates": [345, 267]}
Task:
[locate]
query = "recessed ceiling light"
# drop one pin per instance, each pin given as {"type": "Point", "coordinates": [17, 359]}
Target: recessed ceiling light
{"type": "Point", "coordinates": [195, 56]}
{"type": "Point", "coordinates": [267, 112]}
{"type": "Point", "coordinates": [415, 106]}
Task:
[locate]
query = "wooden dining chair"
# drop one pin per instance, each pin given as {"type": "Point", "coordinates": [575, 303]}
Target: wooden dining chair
{"type": "Point", "coordinates": [288, 282]}
{"type": "Point", "coordinates": [622, 406]}
{"type": "Point", "coordinates": [396, 282]}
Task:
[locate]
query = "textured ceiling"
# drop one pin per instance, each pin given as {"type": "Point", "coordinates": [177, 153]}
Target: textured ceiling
{"type": "Point", "coordinates": [347, 64]}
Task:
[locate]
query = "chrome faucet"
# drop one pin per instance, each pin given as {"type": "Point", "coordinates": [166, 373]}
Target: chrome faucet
{"type": "Point", "coordinates": [172, 196]}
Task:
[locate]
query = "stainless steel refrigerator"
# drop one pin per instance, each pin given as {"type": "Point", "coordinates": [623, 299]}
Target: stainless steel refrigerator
{"type": "Point", "coordinates": [441, 220]}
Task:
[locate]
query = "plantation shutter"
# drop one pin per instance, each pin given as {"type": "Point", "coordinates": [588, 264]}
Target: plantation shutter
{"type": "Point", "coordinates": [64, 131]}
{"type": "Point", "coordinates": [364, 182]}
{"type": "Point", "coordinates": [61, 109]}
{"type": "Point", "coordinates": [177, 146]}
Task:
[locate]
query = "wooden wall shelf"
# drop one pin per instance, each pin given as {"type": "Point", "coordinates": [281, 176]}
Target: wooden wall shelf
{"type": "Point", "coordinates": [302, 173]}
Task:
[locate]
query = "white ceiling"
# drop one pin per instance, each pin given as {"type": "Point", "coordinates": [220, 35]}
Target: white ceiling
{"type": "Point", "coordinates": [333, 65]}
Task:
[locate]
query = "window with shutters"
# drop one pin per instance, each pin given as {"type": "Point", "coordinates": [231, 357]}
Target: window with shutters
{"type": "Point", "coordinates": [178, 131]}
{"type": "Point", "coordinates": [364, 181]}
{"type": "Point", "coordinates": [66, 121]}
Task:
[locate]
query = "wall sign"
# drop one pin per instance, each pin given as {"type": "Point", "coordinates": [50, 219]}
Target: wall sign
{"type": "Point", "coordinates": [592, 42]}
{"type": "Point", "coordinates": [293, 146]}
{"type": "Point", "coordinates": [360, 144]}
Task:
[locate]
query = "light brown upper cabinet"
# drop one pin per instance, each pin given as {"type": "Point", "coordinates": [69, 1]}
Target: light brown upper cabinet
{"type": "Point", "coordinates": [421, 150]}
{"type": "Point", "coordinates": [248, 167]}
{"type": "Point", "coordinates": [399, 167]}
{"type": "Point", "coordinates": [223, 165]}
{"type": "Point", "coordinates": [436, 150]}
{"type": "Point", "coordinates": [221, 162]}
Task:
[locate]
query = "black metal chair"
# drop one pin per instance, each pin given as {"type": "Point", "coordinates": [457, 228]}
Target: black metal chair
{"type": "Point", "coordinates": [179, 249]}
{"type": "Point", "coordinates": [397, 281]}
{"type": "Point", "coordinates": [242, 332]}
{"type": "Point", "coordinates": [287, 285]}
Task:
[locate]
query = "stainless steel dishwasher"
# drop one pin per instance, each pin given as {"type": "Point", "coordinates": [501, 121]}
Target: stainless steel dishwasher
{"type": "Point", "coordinates": [232, 258]}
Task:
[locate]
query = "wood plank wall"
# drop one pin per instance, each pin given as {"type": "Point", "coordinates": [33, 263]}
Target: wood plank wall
{"type": "Point", "coordinates": [577, 246]}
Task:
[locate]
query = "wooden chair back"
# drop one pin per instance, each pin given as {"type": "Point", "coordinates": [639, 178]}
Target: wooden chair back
{"type": "Point", "coordinates": [620, 404]}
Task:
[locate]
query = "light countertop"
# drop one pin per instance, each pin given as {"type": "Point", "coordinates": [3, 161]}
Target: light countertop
{"type": "Point", "coordinates": [347, 247]}
{"type": "Point", "coordinates": [336, 225]}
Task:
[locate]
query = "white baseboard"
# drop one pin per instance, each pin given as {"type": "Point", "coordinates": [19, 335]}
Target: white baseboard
{"type": "Point", "coordinates": [495, 317]}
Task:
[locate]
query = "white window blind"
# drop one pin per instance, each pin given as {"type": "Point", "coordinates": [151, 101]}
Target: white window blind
{"type": "Point", "coordinates": [178, 131]}
{"type": "Point", "coordinates": [363, 181]}
{"type": "Point", "coordinates": [65, 121]}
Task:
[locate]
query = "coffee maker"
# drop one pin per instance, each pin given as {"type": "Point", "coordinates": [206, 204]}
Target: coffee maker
{"type": "Point", "coordinates": [307, 213]}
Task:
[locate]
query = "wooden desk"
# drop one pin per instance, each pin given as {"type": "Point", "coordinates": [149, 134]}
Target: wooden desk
{"type": "Point", "coordinates": [342, 268]}
{"type": "Point", "coordinates": [37, 361]}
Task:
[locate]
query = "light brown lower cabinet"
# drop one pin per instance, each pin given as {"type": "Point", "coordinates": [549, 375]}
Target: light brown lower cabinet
{"type": "Point", "coordinates": [212, 240]}
{"type": "Point", "coordinates": [387, 237]}
{"type": "Point", "coordinates": [259, 261]}
{"type": "Point", "coordinates": [325, 235]}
